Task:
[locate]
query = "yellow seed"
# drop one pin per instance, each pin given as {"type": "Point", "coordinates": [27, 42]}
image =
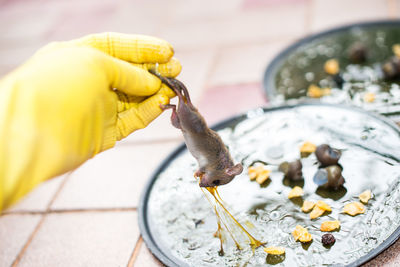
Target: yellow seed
{"type": "Point", "coordinates": [326, 91]}
{"type": "Point", "coordinates": [316, 212]}
{"type": "Point", "coordinates": [314, 91]}
{"type": "Point", "coordinates": [308, 147]}
{"type": "Point", "coordinates": [321, 204]}
{"type": "Point", "coordinates": [263, 176]}
{"type": "Point", "coordinates": [275, 250]}
{"type": "Point", "coordinates": [354, 208]}
{"type": "Point", "coordinates": [259, 173]}
{"type": "Point", "coordinates": [369, 97]}
{"type": "Point", "coordinates": [307, 206]}
{"type": "Point", "coordinates": [331, 66]}
{"type": "Point", "coordinates": [297, 191]}
{"type": "Point", "coordinates": [365, 196]}
{"type": "Point", "coordinates": [329, 226]}
{"type": "Point", "coordinates": [301, 234]}
{"type": "Point", "coordinates": [396, 50]}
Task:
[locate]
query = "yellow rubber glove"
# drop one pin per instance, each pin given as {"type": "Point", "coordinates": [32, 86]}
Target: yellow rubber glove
{"type": "Point", "coordinates": [74, 99]}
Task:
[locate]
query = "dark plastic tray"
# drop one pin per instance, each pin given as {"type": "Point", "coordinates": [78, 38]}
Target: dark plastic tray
{"type": "Point", "coordinates": [166, 256]}
{"type": "Point", "coordinates": [343, 35]}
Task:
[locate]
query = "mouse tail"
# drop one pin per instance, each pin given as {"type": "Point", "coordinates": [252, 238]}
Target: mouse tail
{"type": "Point", "coordinates": [177, 86]}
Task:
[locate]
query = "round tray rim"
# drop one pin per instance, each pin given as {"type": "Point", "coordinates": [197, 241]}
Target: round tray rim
{"type": "Point", "coordinates": [276, 62]}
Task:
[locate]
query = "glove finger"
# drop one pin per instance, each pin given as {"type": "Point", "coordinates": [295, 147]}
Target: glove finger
{"type": "Point", "coordinates": [129, 47]}
{"type": "Point", "coordinates": [140, 116]}
{"type": "Point", "coordinates": [126, 102]}
{"type": "Point", "coordinates": [170, 69]}
{"type": "Point", "coordinates": [130, 79]}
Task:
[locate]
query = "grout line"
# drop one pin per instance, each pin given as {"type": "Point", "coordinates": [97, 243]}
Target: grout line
{"type": "Point", "coordinates": [58, 191]}
{"type": "Point", "coordinates": [28, 242]}
{"type": "Point", "coordinates": [135, 252]}
{"type": "Point", "coordinates": [44, 214]}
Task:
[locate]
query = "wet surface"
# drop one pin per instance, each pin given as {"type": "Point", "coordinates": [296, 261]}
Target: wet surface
{"type": "Point", "coordinates": [305, 66]}
{"type": "Point", "coordinates": [184, 224]}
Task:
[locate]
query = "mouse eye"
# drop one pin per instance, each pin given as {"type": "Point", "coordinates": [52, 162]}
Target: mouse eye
{"type": "Point", "coordinates": [216, 182]}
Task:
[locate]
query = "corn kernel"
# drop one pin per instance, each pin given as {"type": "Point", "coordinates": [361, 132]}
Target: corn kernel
{"type": "Point", "coordinates": [275, 250]}
{"type": "Point", "coordinates": [301, 234]}
{"type": "Point", "coordinates": [307, 206]}
{"type": "Point", "coordinates": [354, 208]}
{"type": "Point", "coordinates": [330, 226]}
{"type": "Point", "coordinates": [297, 191]}
{"type": "Point", "coordinates": [369, 97]}
{"type": "Point", "coordinates": [308, 147]}
{"type": "Point", "coordinates": [259, 173]}
{"type": "Point", "coordinates": [331, 66]}
{"type": "Point", "coordinates": [316, 212]}
{"type": "Point", "coordinates": [365, 196]}
{"type": "Point", "coordinates": [314, 91]}
{"type": "Point", "coordinates": [321, 204]}
{"type": "Point", "coordinates": [396, 50]}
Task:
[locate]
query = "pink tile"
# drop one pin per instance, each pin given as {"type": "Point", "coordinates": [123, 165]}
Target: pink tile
{"type": "Point", "coordinates": [245, 64]}
{"type": "Point", "coordinates": [15, 231]}
{"type": "Point", "coordinates": [196, 68]}
{"type": "Point", "coordinates": [160, 129]}
{"type": "Point", "coordinates": [140, 17]}
{"type": "Point", "coordinates": [40, 197]}
{"type": "Point", "coordinates": [327, 14]}
{"type": "Point", "coordinates": [24, 23]}
{"type": "Point", "coordinates": [83, 239]}
{"type": "Point", "coordinates": [114, 178]}
{"type": "Point", "coordinates": [145, 258]}
{"type": "Point", "coordinates": [265, 3]}
{"type": "Point", "coordinates": [205, 10]}
{"type": "Point", "coordinates": [244, 27]}
{"type": "Point", "coordinates": [236, 99]}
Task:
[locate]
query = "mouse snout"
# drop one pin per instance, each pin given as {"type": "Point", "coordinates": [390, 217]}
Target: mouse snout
{"type": "Point", "coordinates": [211, 181]}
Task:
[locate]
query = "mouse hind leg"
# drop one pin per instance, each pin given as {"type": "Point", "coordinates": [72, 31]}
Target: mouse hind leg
{"type": "Point", "coordinates": [174, 116]}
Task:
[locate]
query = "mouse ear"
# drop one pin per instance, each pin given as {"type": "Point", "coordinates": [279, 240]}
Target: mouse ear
{"type": "Point", "coordinates": [234, 170]}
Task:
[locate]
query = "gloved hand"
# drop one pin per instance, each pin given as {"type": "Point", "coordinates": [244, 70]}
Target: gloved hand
{"type": "Point", "coordinates": [74, 99]}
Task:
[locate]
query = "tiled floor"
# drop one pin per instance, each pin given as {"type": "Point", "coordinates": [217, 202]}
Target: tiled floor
{"type": "Point", "coordinates": [89, 217]}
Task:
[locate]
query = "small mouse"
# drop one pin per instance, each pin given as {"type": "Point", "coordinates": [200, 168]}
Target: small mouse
{"type": "Point", "coordinates": [216, 166]}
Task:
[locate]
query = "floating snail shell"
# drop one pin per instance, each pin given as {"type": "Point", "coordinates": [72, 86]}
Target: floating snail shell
{"type": "Point", "coordinates": [327, 155]}
{"type": "Point", "coordinates": [292, 170]}
{"type": "Point", "coordinates": [330, 177]}
{"type": "Point", "coordinates": [358, 53]}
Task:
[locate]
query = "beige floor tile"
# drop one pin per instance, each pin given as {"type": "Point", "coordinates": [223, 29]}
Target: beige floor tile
{"type": "Point", "coordinates": [245, 64]}
{"type": "Point", "coordinates": [15, 231]}
{"type": "Point", "coordinates": [145, 258]}
{"type": "Point", "coordinates": [196, 67]}
{"type": "Point", "coordinates": [114, 178]}
{"type": "Point", "coordinates": [40, 197]}
{"type": "Point", "coordinates": [83, 239]}
{"type": "Point", "coordinates": [328, 14]}
{"type": "Point", "coordinates": [245, 27]}
{"type": "Point", "coordinates": [160, 129]}
{"type": "Point", "coordinates": [188, 10]}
